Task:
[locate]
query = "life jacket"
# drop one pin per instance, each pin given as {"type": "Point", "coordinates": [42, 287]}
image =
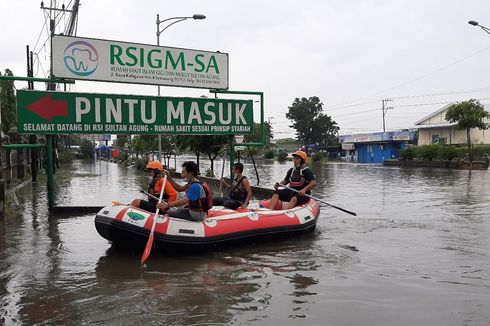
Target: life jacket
{"type": "Point", "coordinates": [237, 191]}
{"type": "Point", "coordinates": [297, 181]}
{"type": "Point", "coordinates": [151, 189]}
{"type": "Point", "coordinates": [202, 204]}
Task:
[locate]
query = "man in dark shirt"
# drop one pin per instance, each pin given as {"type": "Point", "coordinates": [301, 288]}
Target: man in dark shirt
{"type": "Point", "coordinates": [300, 178]}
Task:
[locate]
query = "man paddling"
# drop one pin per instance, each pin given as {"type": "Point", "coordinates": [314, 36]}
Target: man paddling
{"type": "Point", "coordinates": [239, 191]}
{"type": "Point", "coordinates": [154, 187]}
{"type": "Point", "coordinates": [301, 178]}
{"type": "Point", "coordinates": [197, 199]}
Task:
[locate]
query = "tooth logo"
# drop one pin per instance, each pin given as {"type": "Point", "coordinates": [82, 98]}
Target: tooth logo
{"type": "Point", "coordinates": [81, 58]}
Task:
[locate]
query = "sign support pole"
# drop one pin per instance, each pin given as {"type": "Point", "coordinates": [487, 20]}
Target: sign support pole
{"type": "Point", "coordinates": [262, 129]}
{"type": "Point", "coordinates": [50, 172]}
{"type": "Point", "coordinates": [232, 154]}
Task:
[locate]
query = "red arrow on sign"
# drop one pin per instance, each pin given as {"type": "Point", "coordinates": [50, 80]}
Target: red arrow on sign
{"type": "Point", "coordinates": [47, 108]}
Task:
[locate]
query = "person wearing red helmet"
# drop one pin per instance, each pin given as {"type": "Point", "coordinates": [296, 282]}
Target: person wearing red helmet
{"type": "Point", "coordinates": [154, 188]}
{"type": "Point", "coordinates": [299, 177]}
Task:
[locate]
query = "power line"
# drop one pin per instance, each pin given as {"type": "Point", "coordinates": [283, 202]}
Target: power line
{"type": "Point", "coordinates": [415, 79]}
{"type": "Point", "coordinates": [475, 90]}
{"type": "Point", "coordinates": [403, 106]}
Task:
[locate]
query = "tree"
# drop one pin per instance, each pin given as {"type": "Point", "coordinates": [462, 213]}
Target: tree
{"type": "Point", "coordinates": [211, 145]}
{"type": "Point", "coordinates": [185, 143]}
{"type": "Point", "coordinates": [121, 141]}
{"type": "Point", "coordinates": [468, 115]}
{"type": "Point", "coordinates": [311, 124]}
{"type": "Point", "coordinates": [87, 148]}
{"type": "Point", "coordinates": [7, 103]}
{"type": "Point", "coordinates": [144, 143]}
{"type": "Point", "coordinates": [255, 137]}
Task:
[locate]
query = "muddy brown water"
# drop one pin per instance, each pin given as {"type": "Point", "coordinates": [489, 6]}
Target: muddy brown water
{"type": "Point", "coordinates": [416, 254]}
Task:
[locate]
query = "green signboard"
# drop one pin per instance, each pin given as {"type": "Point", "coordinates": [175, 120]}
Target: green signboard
{"type": "Point", "coordinates": [41, 112]}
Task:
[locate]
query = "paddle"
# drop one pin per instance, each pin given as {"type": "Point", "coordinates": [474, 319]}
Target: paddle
{"type": "Point", "coordinates": [149, 244]}
{"type": "Point", "coordinates": [321, 201]}
{"type": "Point", "coordinates": [222, 173]}
{"type": "Point", "coordinates": [148, 194]}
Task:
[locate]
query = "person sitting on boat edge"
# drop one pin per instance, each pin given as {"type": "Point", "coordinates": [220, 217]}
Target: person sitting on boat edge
{"type": "Point", "coordinates": [154, 188]}
{"type": "Point", "coordinates": [197, 199]}
{"type": "Point", "coordinates": [239, 192]}
{"type": "Point", "coordinates": [301, 178]}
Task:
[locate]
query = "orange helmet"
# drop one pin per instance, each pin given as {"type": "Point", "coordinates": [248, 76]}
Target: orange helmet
{"type": "Point", "coordinates": [300, 154]}
{"type": "Point", "coordinates": [155, 165]}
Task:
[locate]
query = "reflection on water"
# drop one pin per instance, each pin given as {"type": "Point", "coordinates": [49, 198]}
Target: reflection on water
{"type": "Point", "coordinates": [417, 254]}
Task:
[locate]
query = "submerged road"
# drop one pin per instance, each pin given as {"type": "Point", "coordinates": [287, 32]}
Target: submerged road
{"type": "Point", "coordinates": [418, 253]}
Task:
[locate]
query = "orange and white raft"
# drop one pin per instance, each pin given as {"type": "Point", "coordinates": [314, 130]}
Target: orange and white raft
{"type": "Point", "coordinates": [131, 226]}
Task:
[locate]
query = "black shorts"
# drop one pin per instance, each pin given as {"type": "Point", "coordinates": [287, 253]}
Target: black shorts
{"type": "Point", "coordinates": [287, 195]}
{"type": "Point", "coordinates": [149, 206]}
{"type": "Point", "coordinates": [227, 202]}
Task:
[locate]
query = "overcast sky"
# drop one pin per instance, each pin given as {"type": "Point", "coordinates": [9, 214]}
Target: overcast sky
{"type": "Point", "coordinates": [351, 54]}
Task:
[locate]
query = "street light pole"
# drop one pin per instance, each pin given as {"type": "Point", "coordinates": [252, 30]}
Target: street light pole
{"type": "Point", "coordinates": [173, 20]}
{"type": "Point", "coordinates": [475, 23]}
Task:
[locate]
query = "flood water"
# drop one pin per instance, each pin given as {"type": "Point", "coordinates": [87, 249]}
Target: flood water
{"type": "Point", "coordinates": [418, 253]}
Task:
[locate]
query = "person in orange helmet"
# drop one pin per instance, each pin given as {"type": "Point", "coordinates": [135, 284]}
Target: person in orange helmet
{"type": "Point", "coordinates": [154, 188]}
{"type": "Point", "coordinates": [299, 177]}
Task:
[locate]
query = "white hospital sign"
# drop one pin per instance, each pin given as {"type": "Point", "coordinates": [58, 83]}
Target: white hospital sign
{"type": "Point", "coordinates": [113, 61]}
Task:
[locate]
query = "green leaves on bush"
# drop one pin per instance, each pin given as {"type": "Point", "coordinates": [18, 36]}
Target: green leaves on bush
{"type": "Point", "coordinates": [430, 152]}
{"type": "Point", "coordinates": [269, 154]}
{"type": "Point", "coordinates": [141, 163]}
{"type": "Point", "coordinates": [407, 153]}
{"type": "Point", "coordinates": [450, 152]}
{"type": "Point", "coordinates": [281, 156]}
{"type": "Point", "coordinates": [318, 157]}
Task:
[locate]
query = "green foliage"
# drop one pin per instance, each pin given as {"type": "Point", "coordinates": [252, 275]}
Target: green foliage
{"type": "Point", "coordinates": [281, 156]}
{"type": "Point", "coordinates": [121, 140]}
{"type": "Point", "coordinates": [255, 137]}
{"type": "Point", "coordinates": [209, 173]}
{"type": "Point", "coordinates": [140, 163]}
{"type": "Point", "coordinates": [145, 143]}
{"type": "Point", "coordinates": [407, 153]}
{"type": "Point", "coordinates": [123, 156]}
{"type": "Point", "coordinates": [255, 151]}
{"type": "Point", "coordinates": [468, 115]}
{"type": "Point", "coordinates": [8, 103]}
{"type": "Point", "coordinates": [450, 152]}
{"type": "Point", "coordinates": [481, 150]}
{"type": "Point", "coordinates": [86, 148]}
{"type": "Point", "coordinates": [269, 154]}
{"type": "Point", "coordinates": [312, 126]}
{"type": "Point", "coordinates": [66, 156]}
{"type": "Point", "coordinates": [318, 157]}
{"type": "Point", "coordinates": [434, 151]}
{"type": "Point", "coordinates": [427, 152]}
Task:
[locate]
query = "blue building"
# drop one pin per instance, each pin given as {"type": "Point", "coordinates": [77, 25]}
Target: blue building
{"type": "Point", "coordinates": [376, 147]}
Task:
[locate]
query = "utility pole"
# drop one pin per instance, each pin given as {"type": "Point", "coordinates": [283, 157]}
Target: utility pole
{"type": "Point", "coordinates": [385, 109]}
{"type": "Point", "coordinates": [52, 87]}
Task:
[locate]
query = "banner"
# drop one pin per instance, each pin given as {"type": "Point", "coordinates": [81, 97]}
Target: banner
{"type": "Point", "coordinates": [113, 61]}
{"type": "Point", "coordinates": [42, 112]}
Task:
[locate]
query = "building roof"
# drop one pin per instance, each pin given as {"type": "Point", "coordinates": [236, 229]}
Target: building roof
{"type": "Point", "coordinates": [436, 125]}
{"type": "Point", "coordinates": [432, 115]}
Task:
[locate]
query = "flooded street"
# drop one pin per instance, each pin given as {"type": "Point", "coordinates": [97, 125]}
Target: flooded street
{"type": "Point", "coordinates": [418, 253]}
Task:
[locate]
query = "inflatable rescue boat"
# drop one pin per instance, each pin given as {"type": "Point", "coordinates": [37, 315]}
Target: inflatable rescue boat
{"type": "Point", "coordinates": [130, 226]}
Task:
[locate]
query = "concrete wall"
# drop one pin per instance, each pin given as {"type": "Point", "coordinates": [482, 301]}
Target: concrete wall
{"type": "Point", "coordinates": [453, 136]}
